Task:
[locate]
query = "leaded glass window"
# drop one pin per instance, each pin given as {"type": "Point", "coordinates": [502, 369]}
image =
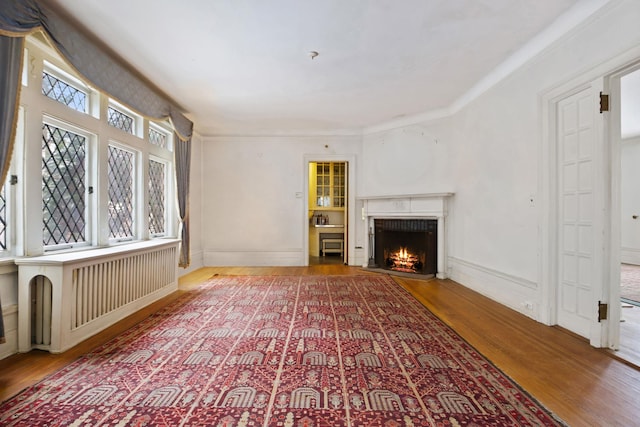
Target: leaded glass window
{"type": "Point", "coordinates": [64, 92]}
{"type": "Point", "coordinates": [157, 138]}
{"type": "Point", "coordinates": [156, 198]}
{"type": "Point", "coordinates": [63, 186]}
{"type": "Point", "coordinates": [121, 179]}
{"type": "Point", "coordinates": [99, 186]}
{"type": "Point", "coordinates": [120, 120]}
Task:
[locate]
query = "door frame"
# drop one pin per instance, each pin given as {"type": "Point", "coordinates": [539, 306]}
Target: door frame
{"type": "Point", "coordinates": [607, 72]}
{"type": "Point", "coordinates": [595, 331]}
{"type": "Point", "coordinates": [615, 139]}
{"type": "Point", "coordinates": [350, 160]}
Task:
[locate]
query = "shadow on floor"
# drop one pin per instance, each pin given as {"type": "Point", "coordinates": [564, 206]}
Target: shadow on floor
{"type": "Point", "coordinates": [327, 259]}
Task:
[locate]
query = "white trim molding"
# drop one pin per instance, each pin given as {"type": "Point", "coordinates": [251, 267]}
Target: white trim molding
{"type": "Point", "coordinates": [630, 256]}
{"type": "Point", "coordinates": [251, 258]}
{"type": "Point", "coordinates": [515, 292]}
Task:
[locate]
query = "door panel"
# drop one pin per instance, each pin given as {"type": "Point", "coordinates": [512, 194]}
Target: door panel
{"type": "Point", "coordinates": [580, 240]}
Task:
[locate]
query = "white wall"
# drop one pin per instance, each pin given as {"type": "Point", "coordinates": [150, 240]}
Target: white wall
{"type": "Point", "coordinates": [630, 160]}
{"type": "Point", "coordinates": [409, 160]}
{"type": "Point", "coordinates": [493, 146]}
{"type": "Point", "coordinates": [254, 196]}
{"type": "Point", "coordinates": [487, 153]}
{"type": "Point", "coordinates": [630, 201]}
{"type": "Point", "coordinates": [498, 140]}
{"type": "Point", "coordinates": [630, 104]}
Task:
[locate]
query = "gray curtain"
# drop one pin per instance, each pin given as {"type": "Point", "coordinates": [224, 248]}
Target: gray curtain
{"type": "Point", "coordinates": [11, 49]}
{"type": "Point", "coordinates": [21, 17]}
{"type": "Point", "coordinates": [183, 169]}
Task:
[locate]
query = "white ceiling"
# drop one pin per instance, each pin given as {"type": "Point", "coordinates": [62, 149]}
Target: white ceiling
{"type": "Point", "coordinates": [243, 66]}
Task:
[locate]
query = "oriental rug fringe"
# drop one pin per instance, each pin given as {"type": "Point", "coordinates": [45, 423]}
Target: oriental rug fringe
{"type": "Point", "coordinates": [282, 351]}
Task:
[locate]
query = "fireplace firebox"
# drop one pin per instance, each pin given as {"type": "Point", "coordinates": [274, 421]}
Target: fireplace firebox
{"type": "Point", "coordinates": [406, 245]}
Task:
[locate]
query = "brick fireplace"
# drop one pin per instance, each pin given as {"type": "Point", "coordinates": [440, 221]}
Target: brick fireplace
{"type": "Point", "coordinates": [406, 233]}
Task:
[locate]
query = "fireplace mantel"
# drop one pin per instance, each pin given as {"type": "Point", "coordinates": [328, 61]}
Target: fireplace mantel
{"type": "Point", "coordinates": [427, 205]}
{"type": "Point", "coordinates": [407, 196]}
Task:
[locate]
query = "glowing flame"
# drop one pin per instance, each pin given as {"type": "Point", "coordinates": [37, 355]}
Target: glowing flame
{"type": "Point", "coordinates": [403, 260]}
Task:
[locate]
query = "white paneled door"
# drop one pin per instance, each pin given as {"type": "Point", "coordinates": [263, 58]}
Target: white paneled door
{"type": "Point", "coordinates": [581, 255]}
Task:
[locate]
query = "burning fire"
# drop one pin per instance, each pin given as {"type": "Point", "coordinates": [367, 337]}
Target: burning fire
{"type": "Point", "coordinates": [405, 261]}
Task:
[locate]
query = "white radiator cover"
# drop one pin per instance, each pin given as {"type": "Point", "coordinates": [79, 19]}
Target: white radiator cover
{"type": "Point", "coordinates": [64, 299]}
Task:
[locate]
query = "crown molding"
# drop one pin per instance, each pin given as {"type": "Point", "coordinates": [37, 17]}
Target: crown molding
{"type": "Point", "coordinates": [566, 23]}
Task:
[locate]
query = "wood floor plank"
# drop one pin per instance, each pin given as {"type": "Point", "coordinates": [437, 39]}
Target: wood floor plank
{"type": "Point", "coordinates": [582, 385]}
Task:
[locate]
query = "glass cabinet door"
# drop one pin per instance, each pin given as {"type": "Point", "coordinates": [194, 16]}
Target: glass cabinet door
{"type": "Point", "coordinates": [338, 184]}
{"type": "Point", "coordinates": [330, 183]}
{"type": "Point", "coordinates": [323, 185]}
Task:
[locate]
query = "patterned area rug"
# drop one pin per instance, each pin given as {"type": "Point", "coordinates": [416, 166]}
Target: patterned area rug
{"type": "Point", "coordinates": [282, 351]}
{"type": "Point", "coordinates": [630, 282]}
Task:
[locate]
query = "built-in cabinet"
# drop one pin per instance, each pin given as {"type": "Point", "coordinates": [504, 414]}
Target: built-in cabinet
{"type": "Point", "coordinates": [328, 185]}
{"type": "Point", "coordinates": [327, 202]}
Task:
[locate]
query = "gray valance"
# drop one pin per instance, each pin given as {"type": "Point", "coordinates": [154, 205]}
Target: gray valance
{"type": "Point", "coordinates": [18, 18]}
{"type": "Point", "coordinates": [21, 17]}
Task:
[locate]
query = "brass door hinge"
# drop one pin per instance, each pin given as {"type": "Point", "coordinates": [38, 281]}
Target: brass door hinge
{"type": "Point", "coordinates": [604, 102]}
{"type": "Point", "coordinates": [603, 309]}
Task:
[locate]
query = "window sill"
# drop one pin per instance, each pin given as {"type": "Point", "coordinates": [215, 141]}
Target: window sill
{"type": "Point", "coordinates": [88, 254]}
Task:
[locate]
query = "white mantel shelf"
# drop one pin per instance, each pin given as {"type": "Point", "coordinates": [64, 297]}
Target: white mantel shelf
{"type": "Point", "coordinates": [427, 205]}
{"type": "Point", "coordinates": [406, 196]}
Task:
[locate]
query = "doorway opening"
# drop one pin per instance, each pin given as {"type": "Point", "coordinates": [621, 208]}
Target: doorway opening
{"type": "Point", "coordinates": [582, 235]}
{"type": "Point", "coordinates": [583, 153]}
{"type": "Point", "coordinates": [328, 212]}
{"type": "Point", "coordinates": [626, 134]}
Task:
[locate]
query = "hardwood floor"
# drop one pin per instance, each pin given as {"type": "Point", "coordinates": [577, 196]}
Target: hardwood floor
{"type": "Point", "coordinates": [630, 315]}
{"type": "Point", "coordinates": [582, 385]}
{"type": "Point", "coordinates": [629, 334]}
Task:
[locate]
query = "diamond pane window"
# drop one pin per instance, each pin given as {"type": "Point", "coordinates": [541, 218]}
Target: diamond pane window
{"type": "Point", "coordinates": [63, 186]}
{"type": "Point", "coordinates": [63, 92]}
{"type": "Point", "coordinates": [121, 177]}
{"type": "Point", "coordinates": [156, 197]}
{"type": "Point", "coordinates": [3, 220]}
{"type": "Point", "coordinates": [120, 120]}
{"type": "Point", "coordinates": [157, 138]}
